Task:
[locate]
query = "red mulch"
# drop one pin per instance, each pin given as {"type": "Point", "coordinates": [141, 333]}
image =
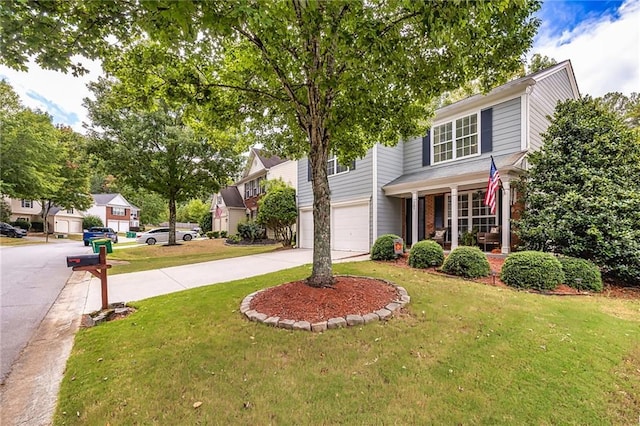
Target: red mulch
{"type": "Point", "coordinates": [300, 302]}
{"type": "Point", "coordinates": [360, 295]}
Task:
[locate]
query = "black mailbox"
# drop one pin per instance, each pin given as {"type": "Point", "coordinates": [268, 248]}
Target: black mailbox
{"type": "Point", "coordinates": [83, 260]}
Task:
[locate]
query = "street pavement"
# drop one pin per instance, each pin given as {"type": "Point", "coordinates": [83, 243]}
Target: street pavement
{"type": "Point", "coordinates": [29, 395]}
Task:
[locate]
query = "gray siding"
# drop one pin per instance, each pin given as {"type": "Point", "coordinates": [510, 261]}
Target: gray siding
{"type": "Point", "coordinates": [352, 185]}
{"type": "Point", "coordinates": [389, 208]}
{"type": "Point", "coordinates": [543, 99]}
{"type": "Point", "coordinates": [412, 155]}
{"type": "Point", "coordinates": [507, 126]}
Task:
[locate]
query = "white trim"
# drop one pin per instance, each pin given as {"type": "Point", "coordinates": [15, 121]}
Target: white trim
{"type": "Point", "coordinates": [524, 119]}
{"type": "Point", "coordinates": [374, 198]}
{"type": "Point", "coordinates": [349, 202]}
{"type": "Point", "coordinates": [483, 102]}
{"type": "Point", "coordinates": [453, 120]}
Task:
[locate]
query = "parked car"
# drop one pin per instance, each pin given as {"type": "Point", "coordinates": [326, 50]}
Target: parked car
{"type": "Point", "coordinates": [161, 235]}
{"type": "Point", "coordinates": [11, 231]}
{"type": "Point", "coordinates": [99, 232]}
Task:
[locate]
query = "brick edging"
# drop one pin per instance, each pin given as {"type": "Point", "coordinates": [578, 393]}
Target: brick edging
{"type": "Point", "coordinates": [382, 314]}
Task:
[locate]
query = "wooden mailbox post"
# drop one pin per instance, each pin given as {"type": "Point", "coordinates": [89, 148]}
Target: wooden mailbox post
{"type": "Point", "coordinates": [97, 266]}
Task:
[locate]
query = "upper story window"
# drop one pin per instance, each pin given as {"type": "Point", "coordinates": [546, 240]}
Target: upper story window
{"type": "Point", "coordinates": [455, 139]}
{"type": "Point", "coordinates": [117, 211]}
{"type": "Point", "coordinates": [70, 211]}
{"type": "Point", "coordinates": [27, 203]}
{"type": "Point", "coordinates": [334, 167]}
{"type": "Point", "coordinates": [253, 188]}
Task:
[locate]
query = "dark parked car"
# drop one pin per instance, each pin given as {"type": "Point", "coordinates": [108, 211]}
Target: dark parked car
{"type": "Point", "coordinates": [10, 231]}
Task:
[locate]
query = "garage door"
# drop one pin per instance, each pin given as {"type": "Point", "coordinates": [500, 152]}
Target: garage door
{"type": "Point", "coordinates": [62, 226]}
{"type": "Point", "coordinates": [306, 229]}
{"type": "Point", "coordinates": [75, 227]}
{"type": "Point", "coordinates": [350, 228]}
{"type": "Point", "coordinates": [118, 225]}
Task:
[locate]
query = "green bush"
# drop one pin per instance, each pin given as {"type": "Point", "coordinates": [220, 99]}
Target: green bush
{"type": "Point", "coordinates": [22, 224]}
{"type": "Point", "coordinates": [468, 262]}
{"type": "Point", "coordinates": [209, 234]}
{"type": "Point", "coordinates": [216, 234]}
{"type": "Point", "coordinates": [383, 248]}
{"type": "Point", "coordinates": [223, 234]}
{"type": "Point", "coordinates": [250, 230]}
{"type": "Point", "coordinates": [206, 222]}
{"type": "Point", "coordinates": [581, 274]}
{"type": "Point", "coordinates": [37, 226]}
{"type": "Point", "coordinates": [425, 254]}
{"type": "Point", "coordinates": [532, 269]}
{"type": "Point", "coordinates": [91, 221]}
{"type": "Point", "coordinates": [234, 239]}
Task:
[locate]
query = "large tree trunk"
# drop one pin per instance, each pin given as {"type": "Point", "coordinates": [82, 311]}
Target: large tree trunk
{"type": "Point", "coordinates": [321, 275]}
{"type": "Point", "coordinates": [172, 220]}
{"type": "Point", "coordinates": [44, 213]}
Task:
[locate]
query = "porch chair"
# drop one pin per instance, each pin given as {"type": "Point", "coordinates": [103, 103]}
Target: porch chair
{"type": "Point", "coordinates": [492, 237]}
{"type": "Point", "coordinates": [440, 236]}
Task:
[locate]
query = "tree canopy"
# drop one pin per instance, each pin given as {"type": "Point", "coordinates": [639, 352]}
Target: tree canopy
{"type": "Point", "coordinates": [155, 150]}
{"type": "Point", "coordinates": [309, 78]}
{"type": "Point", "coordinates": [583, 190]}
{"type": "Point", "coordinates": [278, 211]}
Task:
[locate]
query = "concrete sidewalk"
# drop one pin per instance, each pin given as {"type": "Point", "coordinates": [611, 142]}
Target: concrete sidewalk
{"type": "Point", "coordinates": [142, 285]}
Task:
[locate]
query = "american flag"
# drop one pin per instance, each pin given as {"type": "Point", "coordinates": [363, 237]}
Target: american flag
{"type": "Point", "coordinates": [492, 187]}
{"type": "Point", "coordinates": [218, 212]}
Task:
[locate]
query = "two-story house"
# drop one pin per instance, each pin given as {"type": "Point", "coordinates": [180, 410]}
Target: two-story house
{"type": "Point", "coordinates": [440, 180]}
{"type": "Point", "coordinates": [115, 211]}
{"type": "Point", "coordinates": [59, 220]}
{"type": "Point", "coordinates": [239, 202]}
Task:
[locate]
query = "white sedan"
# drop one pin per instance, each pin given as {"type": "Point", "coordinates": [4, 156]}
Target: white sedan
{"type": "Point", "coordinates": [161, 235]}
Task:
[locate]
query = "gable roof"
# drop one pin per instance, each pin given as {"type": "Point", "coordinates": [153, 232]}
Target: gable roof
{"type": "Point", "coordinates": [103, 199]}
{"type": "Point", "coordinates": [513, 86]}
{"type": "Point", "coordinates": [268, 161]}
{"type": "Point", "coordinates": [232, 197]}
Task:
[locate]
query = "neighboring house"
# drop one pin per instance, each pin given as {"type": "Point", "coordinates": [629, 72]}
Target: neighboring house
{"type": "Point", "coordinates": [239, 202]}
{"type": "Point", "coordinates": [64, 221]}
{"type": "Point", "coordinates": [115, 211]}
{"type": "Point", "coordinates": [60, 220]}
{"type": "Point", "coordinates": [439, 180]}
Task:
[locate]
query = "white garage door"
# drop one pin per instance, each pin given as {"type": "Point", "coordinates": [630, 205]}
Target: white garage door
{"type": "Point", "coordinates": [350, 227]}
{"type": "Point", "coordinates": [75, 227]}
{"type": "Point", "coordinates": [118, 225]}
{"type": "Point", "coordinates": [62, 226]}
{"type": "Point", "coordinates": [306, 229]}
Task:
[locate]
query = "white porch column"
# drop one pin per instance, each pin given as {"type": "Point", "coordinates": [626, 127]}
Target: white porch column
{"type": "Point", "coordinates": [506, 217]}
{"type": "Point", "coordinates": [414, 217]}
{"type": "Point", "coordinates": [454, 217]}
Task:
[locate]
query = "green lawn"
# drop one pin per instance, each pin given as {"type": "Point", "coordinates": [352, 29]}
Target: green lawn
{"type": "Point", "coordinates": [145, 258]}
{"type": "Point", "coordinates": [460, 353]}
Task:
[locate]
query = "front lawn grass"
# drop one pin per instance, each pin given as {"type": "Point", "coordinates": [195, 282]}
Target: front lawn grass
{"type": "Point", "coordinates": [460, 353]}
{"type": "Point", "coordinates": [163, 256]}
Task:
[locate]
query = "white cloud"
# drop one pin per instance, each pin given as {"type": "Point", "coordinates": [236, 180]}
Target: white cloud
{"type": "Point", "coordinates": [55, 92]}
{"type": "Point", "coordinates": [605, 53]}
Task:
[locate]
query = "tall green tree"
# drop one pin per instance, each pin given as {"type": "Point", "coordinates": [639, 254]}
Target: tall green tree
{"type": "Point", "coordinates": [155, 150]}
{"type": "Point", "coordinates": [539, 62]}
{"type": "Point", "coordinates": [583, 190]}
{"type": "Point", "coordinates": [73, 177]}
{"type": "Point", "coordinates": [278, 211]}
{"type": "Point", "coordinates": [627, 107]}
{"type": "Point", "coordinates": [308, 77]}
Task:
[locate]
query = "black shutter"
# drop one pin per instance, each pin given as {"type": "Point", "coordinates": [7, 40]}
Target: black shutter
{"type": "Point", "coordinates": [426, 149]}
{"type": "Point", "coordinates": [308, 170]}
{"type": "Point", "coordinates": [486, 137]}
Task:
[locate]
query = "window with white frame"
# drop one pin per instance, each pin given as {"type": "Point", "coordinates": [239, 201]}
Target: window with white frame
{"type": "Point", "coordinates": [70, 211]}
{"type": "Point", "coordinates": [27, 204]}
{"type": "Point", "coordinates": [472, 213]}
{"type": "Point", "coordinates": [455, 139]}
{"type": "Point", "coordinates": [117, 211]}
{"type": "Point", "coordinates": [334, 167]}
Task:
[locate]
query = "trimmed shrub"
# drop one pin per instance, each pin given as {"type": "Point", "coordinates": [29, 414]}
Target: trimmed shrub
{"type": "Point", "coordinates": [532, 269]}
{"type": "Point", "coordinates": [90, 221]}
{"type": "Point", "coordinates": [383, 248]}
{"type": "Point", "coordinates": [581, 274]}
{"type": "Point", "coordinates": [22, 224]}
{"type": "Point", "coordinates": [223, 234]}
{"type": "Point", "coordinates": [250, 231]}
{"type": "Point", "coordinates": [37, 226]}
{"type": "Point", "coordinates": [209, 234]}
{"type": "Point", "coordinates": [469, 262]}
{"type": "Point", "coordinates": [426, 254]}
{"type": "Point", "coordinates": [206, 222]}
{"type": "Point", "coordinates": [216, 234]}
{"type": "Point", "coordinates": [234, 239]}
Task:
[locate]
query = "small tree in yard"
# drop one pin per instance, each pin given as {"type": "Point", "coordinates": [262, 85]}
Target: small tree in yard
{"type": "Point", "coordinates": [278, 212]}
{"type": "Point", "coordinates": [90, 221]}
{"type": "Point", "coordinates": [582, 194]}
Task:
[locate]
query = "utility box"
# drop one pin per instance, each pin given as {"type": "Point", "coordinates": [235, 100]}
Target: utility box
{"type": "Point", "coordinates": [83, 260]}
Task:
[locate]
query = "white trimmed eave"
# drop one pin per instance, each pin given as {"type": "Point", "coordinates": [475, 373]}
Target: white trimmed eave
{"type": "Point", "coordinates": [443, 185]}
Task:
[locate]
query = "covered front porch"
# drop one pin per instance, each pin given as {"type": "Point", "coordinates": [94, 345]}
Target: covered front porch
{"type": "Point", "coordinates": [448, 207]}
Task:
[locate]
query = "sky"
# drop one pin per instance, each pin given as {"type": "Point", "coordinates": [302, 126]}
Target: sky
{"type": "Point", "coordinates": [601, 38]}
